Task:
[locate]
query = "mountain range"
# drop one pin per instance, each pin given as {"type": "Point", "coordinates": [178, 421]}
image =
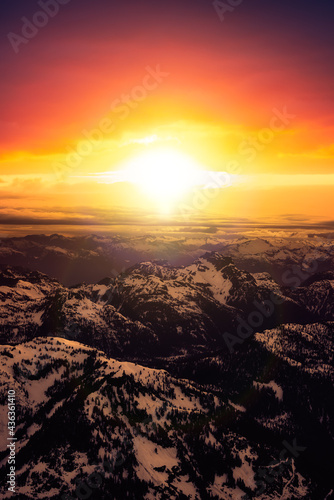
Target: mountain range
{"type": "Point", "coordinates": [73, 259]}
{"type": "Point", "coordinates": [155, 307]}
{"type": "Point", "coordinates": [200, 381]}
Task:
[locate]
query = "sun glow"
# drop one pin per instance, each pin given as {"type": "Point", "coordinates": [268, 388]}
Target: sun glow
{"type": "Point", "coordinates": [164, 174]}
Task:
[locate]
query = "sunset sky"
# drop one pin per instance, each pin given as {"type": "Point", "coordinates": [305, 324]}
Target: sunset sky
{"type": "Point", "coordinates": [127, 113]}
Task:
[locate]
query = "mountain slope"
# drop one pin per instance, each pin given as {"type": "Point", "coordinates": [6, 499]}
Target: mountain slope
{"type": "Point", "coordinates": [120, 430]}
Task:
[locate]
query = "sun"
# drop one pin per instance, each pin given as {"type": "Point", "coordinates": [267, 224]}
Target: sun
{"type": "Point", "coordinates": [164, 174]}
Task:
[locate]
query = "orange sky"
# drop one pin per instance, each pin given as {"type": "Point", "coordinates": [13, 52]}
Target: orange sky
{"type": "Point", "coordinates": [251, 95]}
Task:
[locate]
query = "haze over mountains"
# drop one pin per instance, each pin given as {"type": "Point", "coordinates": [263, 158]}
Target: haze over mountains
{"type": "Point", "coordinates": [75, 259]}
{"type": "Point", "coordinates": [206, 380]}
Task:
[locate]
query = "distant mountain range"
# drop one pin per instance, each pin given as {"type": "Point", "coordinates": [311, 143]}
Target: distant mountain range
{"type": "Point", "coordinates": [73, 260]}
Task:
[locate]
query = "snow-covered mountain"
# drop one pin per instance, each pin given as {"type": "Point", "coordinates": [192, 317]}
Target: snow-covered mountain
{"type": "Point", "coordinates": [22, 296]}
{"type": "Point", "coordinates": [282, 379]}
{"type": "Point", "coordinates": [150, 308]}
{"type": "Point", "coordinates": [317, 295]}
{"type": "Point", "coordinates": [94, 426]}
